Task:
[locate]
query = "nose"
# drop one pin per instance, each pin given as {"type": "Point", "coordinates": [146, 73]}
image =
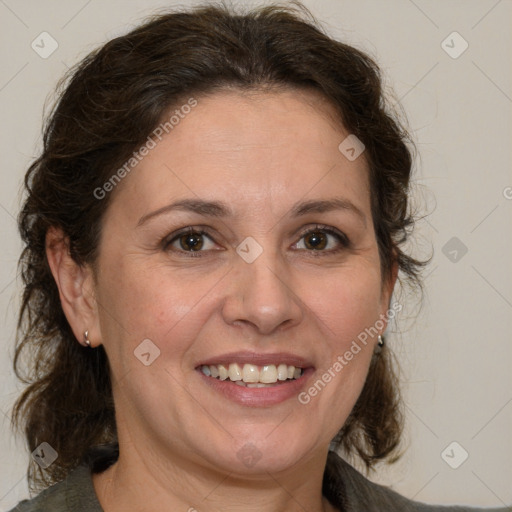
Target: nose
{"type": "Point", "coordinates": [261, 296]}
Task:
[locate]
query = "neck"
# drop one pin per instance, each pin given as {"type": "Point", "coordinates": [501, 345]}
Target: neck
{"type": "Point", "coordinates": [142, 479]}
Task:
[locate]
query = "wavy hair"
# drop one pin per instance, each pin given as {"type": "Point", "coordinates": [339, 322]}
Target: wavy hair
{"type": "Point", "coordinates": [107, 106]}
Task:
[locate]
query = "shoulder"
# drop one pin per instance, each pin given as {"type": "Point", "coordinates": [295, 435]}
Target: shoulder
{"type": "Point", "coordinates": [75, 493]}
{"type": "Point", "coordinates": [349, 490]}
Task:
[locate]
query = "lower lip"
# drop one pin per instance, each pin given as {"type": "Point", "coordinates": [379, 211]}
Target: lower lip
{"type": "Point", "coordinates": [258, 397]}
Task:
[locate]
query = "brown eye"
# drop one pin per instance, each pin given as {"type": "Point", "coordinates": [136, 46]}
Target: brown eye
{"type": "Point", "coordinates": [316, 240]}
{"type": "Point", "coordinates": [194, 242]}
{"type": "Point", "coordinates": [324, 240]}
{"type": "Point", "coordinates": [191, 241]}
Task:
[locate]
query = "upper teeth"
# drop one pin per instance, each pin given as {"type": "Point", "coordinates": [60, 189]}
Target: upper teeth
{"type": "Point", "coordinates": [267, 374]}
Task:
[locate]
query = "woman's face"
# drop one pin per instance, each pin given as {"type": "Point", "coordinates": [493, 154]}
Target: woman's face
{"type": "Point", "coordinates": [268, 256]}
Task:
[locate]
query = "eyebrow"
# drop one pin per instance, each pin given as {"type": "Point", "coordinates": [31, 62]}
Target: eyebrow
{"type": "Point", "coordinates": [327, 205]}
{"type": "Point", "coordinates": [220, 209]}
{"type": "Point", "coordinates": [206, 208]}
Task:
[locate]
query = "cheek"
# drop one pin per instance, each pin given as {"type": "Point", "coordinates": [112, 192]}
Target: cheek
{"type": "Point", "coordinates": [345, 302]}
{"type": "Point", "coordinates": [140, 301]}
{"type": "Point", "coordinates": [345, 306]}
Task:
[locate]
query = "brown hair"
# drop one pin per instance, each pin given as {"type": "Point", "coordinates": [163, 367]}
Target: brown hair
{"type": "Point", "coordinates": [108, 105]}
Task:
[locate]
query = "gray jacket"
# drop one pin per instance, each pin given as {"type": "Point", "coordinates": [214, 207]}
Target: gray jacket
{"type": "Point", "coordinates": [343, 486]}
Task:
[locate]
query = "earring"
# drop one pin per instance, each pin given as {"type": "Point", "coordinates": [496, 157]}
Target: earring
{"type": "Point", "coordinates": [87, 341]}
{"type": "Point", "coordinates": [380, 345]}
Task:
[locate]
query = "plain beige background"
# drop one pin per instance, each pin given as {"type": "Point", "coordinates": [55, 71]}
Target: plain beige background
{"type": "Point", "coordinates": [457, 353]}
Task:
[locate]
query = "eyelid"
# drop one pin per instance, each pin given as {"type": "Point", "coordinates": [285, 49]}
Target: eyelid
{"type": "Point", "coordinates": [341, 237]}
{"type": "Point", "coordinates": [197, 230]}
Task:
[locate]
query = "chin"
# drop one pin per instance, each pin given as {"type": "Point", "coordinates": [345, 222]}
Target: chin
{"type": "Point", "coordinates": [260, 455]}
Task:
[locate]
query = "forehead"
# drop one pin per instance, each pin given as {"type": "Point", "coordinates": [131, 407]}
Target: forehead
{"type": "Point", "coordinates": [255, 149]}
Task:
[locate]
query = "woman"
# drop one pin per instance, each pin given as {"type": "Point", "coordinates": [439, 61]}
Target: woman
{"type": "Point", "coordinates": [213, 235]}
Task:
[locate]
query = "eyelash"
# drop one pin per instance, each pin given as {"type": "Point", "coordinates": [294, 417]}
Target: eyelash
{"type": "Point", "coordinates": [342, 239]}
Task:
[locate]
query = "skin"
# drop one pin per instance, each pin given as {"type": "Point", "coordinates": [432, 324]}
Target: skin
{"type": "Point", "coordinates": [260, 153]}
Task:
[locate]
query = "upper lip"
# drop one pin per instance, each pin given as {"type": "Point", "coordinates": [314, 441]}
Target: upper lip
{"type": "Point", "coordinates": [258, 359]}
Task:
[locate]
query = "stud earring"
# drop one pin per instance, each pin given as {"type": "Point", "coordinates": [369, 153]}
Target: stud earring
{"type": "Point", "coordinates": [380, 345]}
{"type": "Point", "coordinates": [87, 341]}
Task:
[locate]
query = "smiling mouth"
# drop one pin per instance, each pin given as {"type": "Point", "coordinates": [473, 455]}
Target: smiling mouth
{"type": "Point", "coordinates": [253, 376]}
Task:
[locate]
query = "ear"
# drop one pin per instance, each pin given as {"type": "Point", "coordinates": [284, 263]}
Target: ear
{"type": "Point", "coordinates": [76, 288]}
{"type": "Point", "coordinates": [387, 292]}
